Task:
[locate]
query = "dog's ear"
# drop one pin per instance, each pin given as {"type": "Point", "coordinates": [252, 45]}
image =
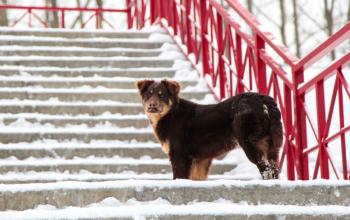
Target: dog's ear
{"type": "Point", "coordinates": [143, 85]}
{"type": "Point", "coordinates": [173, 87]}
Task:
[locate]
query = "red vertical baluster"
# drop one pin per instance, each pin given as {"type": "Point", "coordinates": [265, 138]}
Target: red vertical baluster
{"type": "Point", "coordinates": [288, 132]}
{"type": "Point", "coordinates": [321, 119]}
{"type": "Point", "coordinates": [300, 120]}
{"type": "Point", "coordinates": [188, 26]}
{"type": "Point", "coordinates": [128, 13]}
{"type": "Point", "coordinates": [341, 122]}
{"type": "Point", "coordinates": [239, 64]}
{"type": "Point", "coordinates": [222, 72]}
{"type": "Point", "coordinates": [260, 65]}
{"type": "Point", "coordinates": [62, 19]}
{"type": "Point", "coordinates": [205, 49]}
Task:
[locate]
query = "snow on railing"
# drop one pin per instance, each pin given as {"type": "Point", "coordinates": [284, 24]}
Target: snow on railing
{"type": "Point", "coordinates": [234, 60]}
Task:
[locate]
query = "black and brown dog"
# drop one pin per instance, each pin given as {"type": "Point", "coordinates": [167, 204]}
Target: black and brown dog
{"type": "Point", "coordinates": [192, 134]}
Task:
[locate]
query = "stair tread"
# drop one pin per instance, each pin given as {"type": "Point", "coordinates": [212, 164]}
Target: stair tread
{"type": "Point", "coordinates": [160, 209]}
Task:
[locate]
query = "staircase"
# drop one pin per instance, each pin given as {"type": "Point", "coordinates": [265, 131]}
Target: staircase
{"type": "Point", "coordinates": [76, 144]}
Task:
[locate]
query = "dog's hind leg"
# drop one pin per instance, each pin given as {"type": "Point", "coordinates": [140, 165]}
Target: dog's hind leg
{"type": "Point", "coordinates": [257, 153]}
{"type": "Point", "coordinates": [181, 166]}
{"type": "Point", "coordinates": [200, 169]}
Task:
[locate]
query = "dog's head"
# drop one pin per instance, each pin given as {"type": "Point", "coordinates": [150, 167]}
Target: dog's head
{"type": "Point", "coordinates": [158, 97]}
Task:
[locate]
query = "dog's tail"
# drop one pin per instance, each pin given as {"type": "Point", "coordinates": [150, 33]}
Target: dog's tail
{"type": "Point", "coordinates": [276, 130]}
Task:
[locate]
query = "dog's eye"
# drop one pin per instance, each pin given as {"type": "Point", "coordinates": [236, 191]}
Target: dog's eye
{"type": "Point", "coordinates": [161, 95]}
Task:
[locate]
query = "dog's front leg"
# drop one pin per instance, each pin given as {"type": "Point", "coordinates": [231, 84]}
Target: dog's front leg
{"type": "Point", "coordinates": [181, 166]}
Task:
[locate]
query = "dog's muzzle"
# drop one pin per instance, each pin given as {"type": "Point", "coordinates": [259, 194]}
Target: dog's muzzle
{"type": "Point", "coordinates": [153, 110]}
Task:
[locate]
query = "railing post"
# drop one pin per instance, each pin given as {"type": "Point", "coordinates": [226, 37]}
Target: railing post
{"type": "Point", "coordinates": [221, 67]}
{"type": "Point", "coordinates": [128, 14]}
{"type": "Point", "coordinates": [288, 113]}
{"type": "Point", "coordinates": [300, 125]}
{"type": "Point", "coordinates": [62, 19]}
{"type": "Point", "coordinates": [161, 9]}
{"type": "Point", "coordinates": [260, 65]}
{"type": "Point", "coordinates": [239, 64]}
{"type": "Point", "coordinates": [174, 11]}
{"type": "Point", "coordinates": [205, 48]}
{"type": "Point", "coordinates": [153, 15]}
{"type": "Point", "coordinates": [188, 26]}
{"type": "Point", "coordinates": [341, 123]}
{"type": "Point", "coordinates": [321, 119]}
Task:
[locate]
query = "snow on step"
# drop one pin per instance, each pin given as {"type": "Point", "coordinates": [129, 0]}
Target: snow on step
{"type": "Point", "coordinates": [88, 43]}
{"type": "Point", "coordinates": [111, 208]}
{"type": "Point", "coordinates": [143, 72]}
{"type": "Point", "coordinates": [72, 193]}
{"type": "Point", "coordinates": [75, 51]}
{"type": "Point", "coordinates": [80, 33]}
{"type": "Point", "coordinates": [45, 177]}
{"type": "Point", "coordinates": [83, 94]}
{"type": "Point", "coordinates": [115, 120]}
{"type": "Point", "coordinates": [99, 165]}
{"type": "Point", "coordinates": [74, 82]}
{"type": "Point", "coordinates": [86, 61]}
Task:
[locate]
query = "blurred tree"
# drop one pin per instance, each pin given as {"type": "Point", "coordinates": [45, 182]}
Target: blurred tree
{"type": "Point", "coordinates": [99, 16]}
{"type": "Point", "coordinates": [3, 15]}
{"type": "Point", "coordinates": [79, 19]}
{"type": "Point", "coordinates": [328, 14]}
{"type": "Point", "coordinates": [250, 5]}
{"type": "Point", "coordinates": [54, 22]}
{"type": "Point", "coordinates": [283, 22]}
{"type": "Point", "coordinates": [296, 28]}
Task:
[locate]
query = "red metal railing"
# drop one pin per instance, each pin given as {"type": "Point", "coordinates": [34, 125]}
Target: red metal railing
{"type": "Point", "coordinates": [236, 60]}
{"type": "Point", "coordinates": [134, 11]}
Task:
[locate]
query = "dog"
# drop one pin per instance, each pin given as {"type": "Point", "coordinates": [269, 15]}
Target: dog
{"type": "Point", "coordinates": [192, 135]}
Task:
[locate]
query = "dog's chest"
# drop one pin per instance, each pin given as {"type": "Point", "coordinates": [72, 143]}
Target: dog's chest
{"type": "Point", "coordinates": [159, 133]}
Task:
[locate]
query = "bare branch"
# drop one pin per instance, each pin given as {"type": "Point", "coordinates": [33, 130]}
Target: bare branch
{"type": "Point", "coordinates": [3, 16]}
{"type": "Point", "coordinates": [283, 22]}
{"type": "Point", "coordinates": [296, 28]}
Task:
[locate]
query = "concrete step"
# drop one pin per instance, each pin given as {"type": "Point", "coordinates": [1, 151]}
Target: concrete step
{"type": "Point", "coordinates": [66, 33]}
{"type": "Point", "coordinates": [85, 94]}
{"type": "Point", "coordinates": [69, 52]}
{"type": "Point", "coordinates": [86, 62]}
{"type": "Point", "coordinates": [161, 209]}
{"type": "Point", "coordinates": [73, 108]}
{"type": "Point", "coordinates": [16, 135]}
{"type": "Point", "coordinates": [99, 165]}
{"type": "Point", "coordinates": [49, 177]}
{"type": "Point", "coordinates": [71, 82]}
{"type": "Point", "coordinates": [86, 43]}
{"type": "Point", "coordinates": [62, 194]}
{"type": "Point", "coordinates": [82, 151]}
{"type": "Point", "coordinates": [86, 121]}
{"type": "Point", "coordinates": [88, 72]}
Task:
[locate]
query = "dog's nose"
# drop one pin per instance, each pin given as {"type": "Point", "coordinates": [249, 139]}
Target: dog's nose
{"type": "Point", "coordinates": [152, 105]}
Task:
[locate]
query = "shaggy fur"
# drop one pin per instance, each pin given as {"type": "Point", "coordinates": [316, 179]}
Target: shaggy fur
{"type": "Point", "coordinates": [192, 134]}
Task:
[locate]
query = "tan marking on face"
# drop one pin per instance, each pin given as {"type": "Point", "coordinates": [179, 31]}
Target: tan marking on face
{"type": "Point", "coordinates": [263, 146]}
{"type": "Point", "coordinates": [166, 147]}
{"type": "Point", "coordinates": [200, 169]}
{"type": "Point", "coordinates": [155, 117]}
